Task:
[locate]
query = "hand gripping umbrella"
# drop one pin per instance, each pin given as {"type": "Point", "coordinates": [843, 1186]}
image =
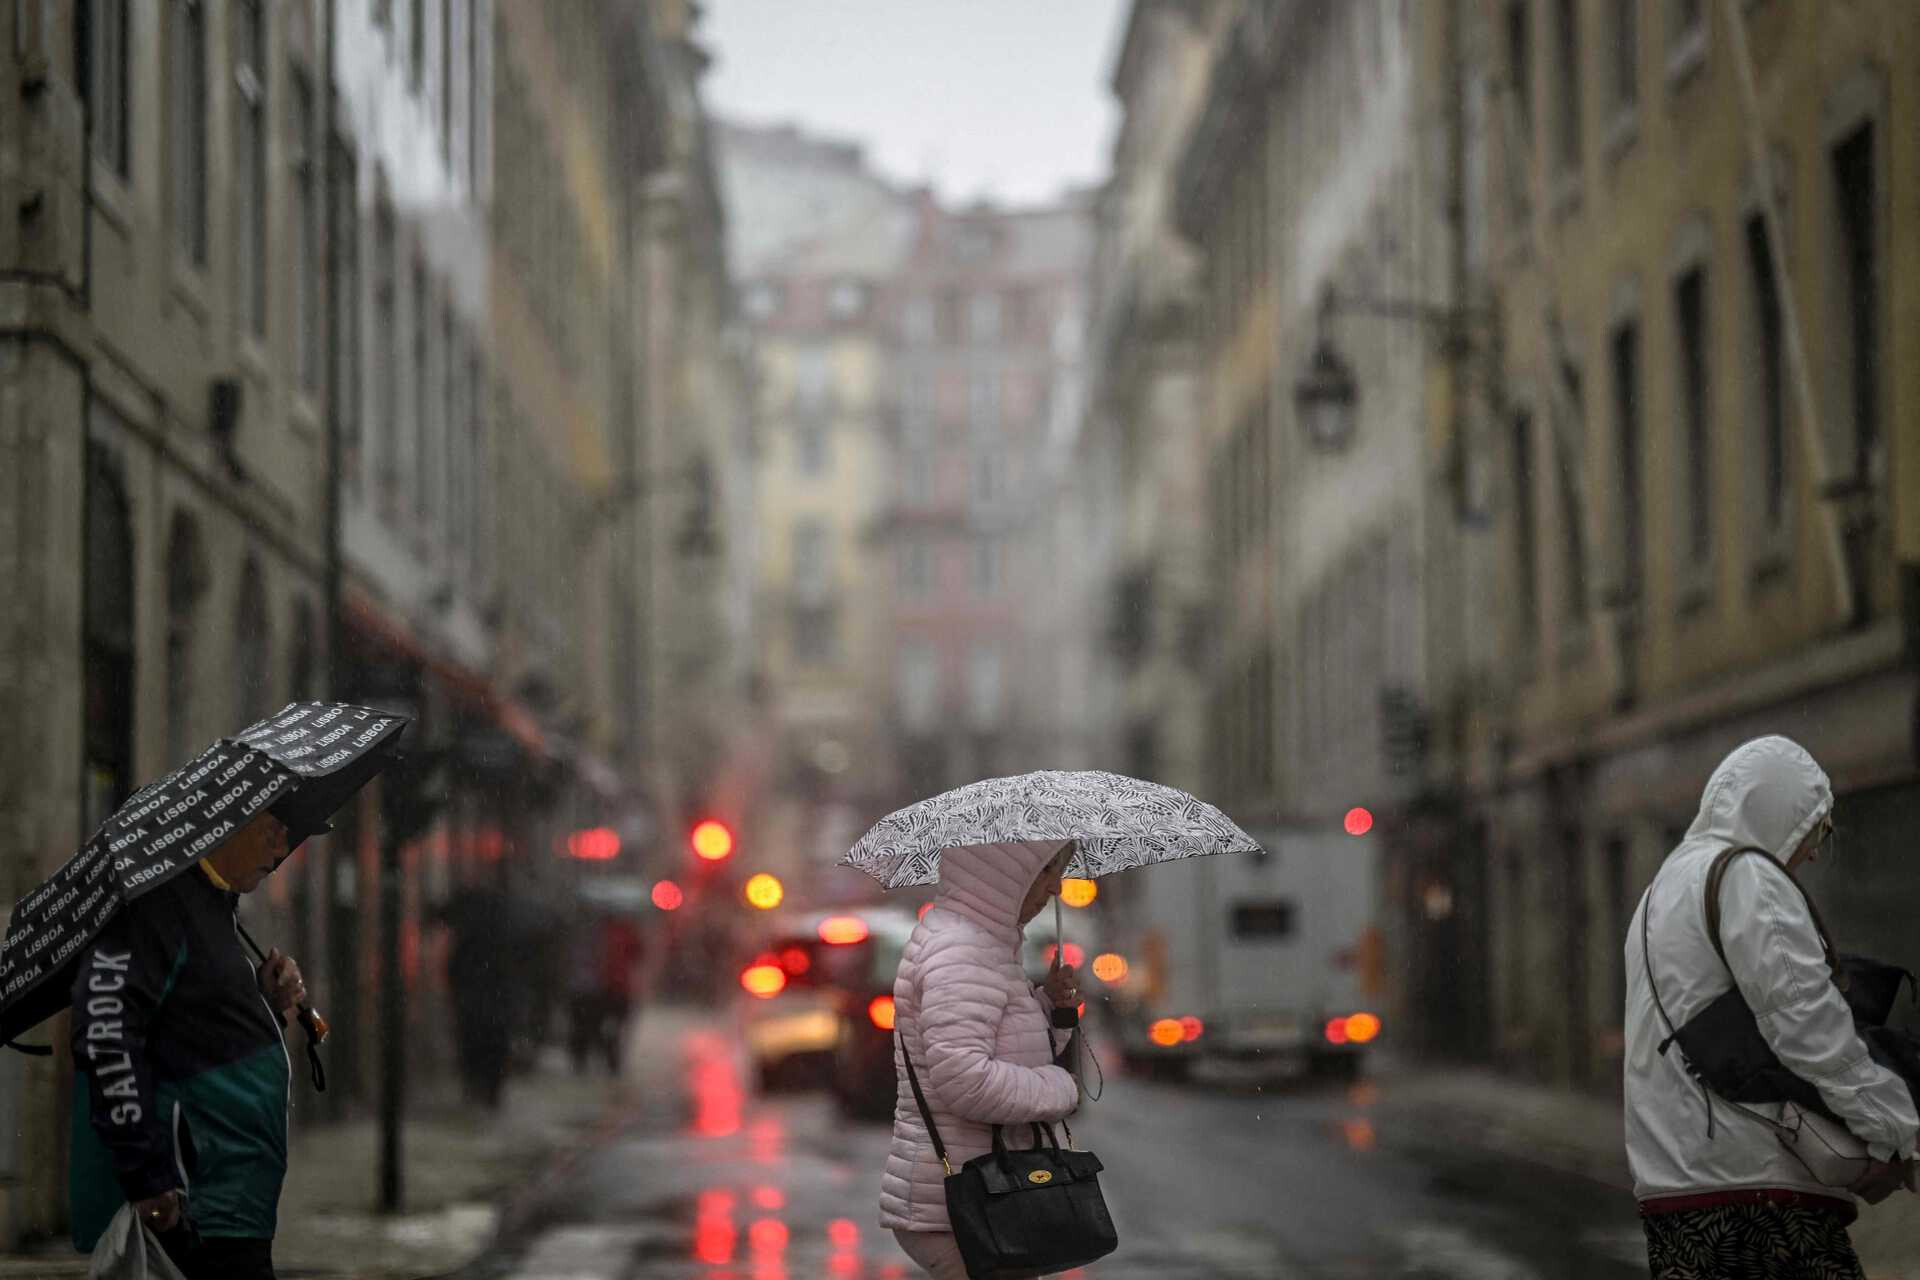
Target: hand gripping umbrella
{"type": "Point", "coordinates": [302, 764]}
{"type": "Point", "coordinates": [1116, 823]}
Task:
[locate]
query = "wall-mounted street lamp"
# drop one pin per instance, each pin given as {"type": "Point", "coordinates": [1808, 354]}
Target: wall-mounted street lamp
{"type": "Point", "coordinates": [1327, 395]}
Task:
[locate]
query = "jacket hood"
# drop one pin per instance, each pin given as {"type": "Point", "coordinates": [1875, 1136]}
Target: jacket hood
{"type": "Point", "coordinates": [1769, 793]}
{"type": "Point", "coordinates": [987, 882]}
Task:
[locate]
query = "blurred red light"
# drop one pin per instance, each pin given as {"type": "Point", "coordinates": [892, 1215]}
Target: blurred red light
{"type": "Point", "coordinates": [768, 1235]}
{"type": "Point", "coordinates": [1075, 953]}
{"type": "Point", "coordinates": [769, 1198]}
{"type": "Point", "coordinates": [841, 931]}
{"type": "Point", "coordinates": [796, 961]}
{"type": "Point", "coordinates": [844, 1233]}
{"type": "Point", "coordinates": [1190, 1028]}
{"type": "Point", "coordinates": [599, 844]}
{"type": "Point", "coordinates": [880, 1010]}
{"type": "Point", "coordinates": [713, 1242]}
{"type": "Point", "coordinates": [1336, 1031]}
{"type": "Point", "coordinates": [1362, 1027]}
{"type": "Point", "coordinates": [667, 896]}
{"type": "Point", "coordinates": [1359, 821]}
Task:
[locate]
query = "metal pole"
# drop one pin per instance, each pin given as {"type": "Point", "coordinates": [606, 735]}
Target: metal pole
{"type": "Point", "coordinates": [393, 1059]}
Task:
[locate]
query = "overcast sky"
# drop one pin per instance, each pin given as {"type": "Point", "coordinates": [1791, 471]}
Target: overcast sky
{"type": "Point", "coordinates": [1004, 98]}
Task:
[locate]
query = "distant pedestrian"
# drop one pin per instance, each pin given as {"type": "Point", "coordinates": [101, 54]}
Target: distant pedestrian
{"type": "Point", "coordinates": [601, 991]}
{"type": "Point", "coordinates": [484, 980]}
{"type": "Point", "coordinates": [978, 1034]}
{"type": "Point", "coordinates": [183, 1068]}
{"type": "Point", "coordinates": [1721, 1195]}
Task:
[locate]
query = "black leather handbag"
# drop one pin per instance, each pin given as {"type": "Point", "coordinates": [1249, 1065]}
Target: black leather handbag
{"type": "Point", "coordinates": [1018, 1213]}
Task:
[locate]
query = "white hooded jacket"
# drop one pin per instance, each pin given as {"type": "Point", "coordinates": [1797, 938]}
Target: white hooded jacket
{"type": "Point", "coordinates": [1768, 793]}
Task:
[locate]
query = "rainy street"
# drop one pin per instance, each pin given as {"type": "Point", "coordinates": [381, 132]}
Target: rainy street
{"type": "Point", "coordinates": [1348, 1184]}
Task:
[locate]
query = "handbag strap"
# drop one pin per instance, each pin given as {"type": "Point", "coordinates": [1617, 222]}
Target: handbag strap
{"type": "Point", "coordinates": [926, 1113]}
{"type": "Point", "coordinates": [1718, 873]}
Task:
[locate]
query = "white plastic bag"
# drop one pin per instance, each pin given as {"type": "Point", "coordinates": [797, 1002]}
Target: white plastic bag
{"type": "Point", "coordinates": [128, 1251]}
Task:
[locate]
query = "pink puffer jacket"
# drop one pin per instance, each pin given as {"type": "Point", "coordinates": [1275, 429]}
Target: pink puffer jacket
{"type": "Point", "coordinates": [978, 1032]}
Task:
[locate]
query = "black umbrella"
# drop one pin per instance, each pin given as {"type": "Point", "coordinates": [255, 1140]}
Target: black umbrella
{"type": "Point", "coordinates": [303, 764]}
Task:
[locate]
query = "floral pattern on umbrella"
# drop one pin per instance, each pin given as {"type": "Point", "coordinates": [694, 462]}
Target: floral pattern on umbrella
{"type": "Point", "coordinates": [1119, 822]}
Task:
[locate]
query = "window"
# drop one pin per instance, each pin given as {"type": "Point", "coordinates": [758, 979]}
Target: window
{"type": "Point", "coordinates": [950, 315]}
{"type": "Point", "coordinates": [846, 300]}
{"type": "Point", "coordinates": [1625, 358]}
{"type": "Point", "coordinates": [919, 692]}
{"type": "Point", "coordinates": [1626, 54]}
{"type": "Point", "coordinates": [250, 157]}
{"type": "Point", "coordinates": [423, 441]}
{"type": "Point", "coordinates": [813, 634]}
{"type": "Point", "coordinates": [187, 106]}
{"type": "Point", "coordinates": [812, 562]}
{"type": "Point", "coordinates": [1859, 276]}
{"type": "Point", "coordinates": [417, 44]}
{"type": "Point", "coordinates": [109, 635]}
{"type": "Point", "coordinates": [1520, 65]}
{"type": "Point", "coordinates": [983, 403]}
{"type": "Point", "coordinates": [916, 476]}
{"type": "Point", "coordinates": [1573, 536]}
{"type": "Point", "coordinates": [346, 317]}
{"type": "Point", "coordinates": [252, 643]}
{"type": "Point", "coordinates": [811, 439]}
{"type": "Point", "coordinates": [983, 318]}
{"type": "Point", "coordinates": [916, 570]}
{"type": "Point", "coordinates": [1525, 529]}
{"type": "Point", "coordinates": [983, 687]}
{"type": "Point", "coordinates": [446, 82]}
{"type": "Point", "coordinates": [916, 407]}
{"type": "Point", "coordinates": [306, 234]}
{"type": "Point", "coordinates": [1769, 371]}
{"type": "Point", "coordinates": [1690, 320]}
{"type": "Point", "coordinates": [917, 320]}
{"type": "Point", "coordinates": [812, 382]}
{"type": "Point", "coordinates": [1269, 921]}
{"type": "Point", "coordinates": [186, 584]}
{"type": "Point", "coordinates": [108, 41]}
{"type": "Point", "coordinates": [986, 568]}
{"type": "Point", "coordinates": [988, 474]}
{"type": "Point", "coordinates": [386, 377]}
{"type": "Point", "coordinates": [761, 300]}
{"type": "Point", "coordinates": [1566, 50]}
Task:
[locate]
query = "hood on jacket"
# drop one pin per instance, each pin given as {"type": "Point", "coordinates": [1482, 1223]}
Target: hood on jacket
{"type": "Point", "coordinates": [1768, 792]}
{"type": "Point", "coordinates": [987, 882]}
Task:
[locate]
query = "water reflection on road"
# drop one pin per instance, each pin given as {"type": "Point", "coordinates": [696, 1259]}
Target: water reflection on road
{"type": "Point", "coordinates": [1225, 1184]}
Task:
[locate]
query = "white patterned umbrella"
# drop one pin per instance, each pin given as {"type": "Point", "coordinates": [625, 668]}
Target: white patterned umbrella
{"type": "Point", "coordinates": [1119, 822]}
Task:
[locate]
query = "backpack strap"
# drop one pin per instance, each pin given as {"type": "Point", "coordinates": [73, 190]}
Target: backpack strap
{"type": "Point", "coordinates": [1717, 874]}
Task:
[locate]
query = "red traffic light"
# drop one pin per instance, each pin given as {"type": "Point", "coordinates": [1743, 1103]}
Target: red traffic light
{"type": "Point", "coordinates": [1359, 821]}
{"type": "Point", "coordinates": [712, 840]}
{"type": "Point", "coordinates": [597, 844]}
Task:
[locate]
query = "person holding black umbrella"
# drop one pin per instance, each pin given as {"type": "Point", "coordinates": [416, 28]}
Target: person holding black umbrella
{"type": "Point", "coordinates": [183, 1065]}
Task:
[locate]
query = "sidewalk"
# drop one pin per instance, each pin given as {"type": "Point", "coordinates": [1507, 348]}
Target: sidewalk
{"type": "Point", "coordinates": [465, 1171]}
{"type": "Point", "coordinates": [1582, 1133]}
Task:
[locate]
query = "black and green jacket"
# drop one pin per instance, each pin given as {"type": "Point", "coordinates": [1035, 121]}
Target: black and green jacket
{"type": "Point", "coordinates": [183, 1072]}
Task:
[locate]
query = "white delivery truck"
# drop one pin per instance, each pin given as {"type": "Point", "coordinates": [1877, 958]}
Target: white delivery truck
{"type": "Point", "coordinates": [1270, 961]}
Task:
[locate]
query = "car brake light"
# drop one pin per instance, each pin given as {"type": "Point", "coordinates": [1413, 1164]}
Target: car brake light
{"type": "Point", "coordinates": [796, 961]}
{"type": "Point", "coordinates": [1166, 1032]}
{"type": "Point", "coordinates": [1362, 1027]}
{"type": "Point", "coordinates": [764, 978]}
{"type": "Point", "coordinates": [880, 1009]}
{"type": "Point", "coordinates": [1336, 1031]}
{"type": "Point", "coordinates": [1190, 1028]}
{"type": "Point", "coordinates": [841, 931]}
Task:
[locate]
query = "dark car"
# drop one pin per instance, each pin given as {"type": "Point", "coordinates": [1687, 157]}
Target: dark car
{"type": "Point", "coordinates": [863, 1074]}
{"type": "Point", "coordinates": [794, 987]}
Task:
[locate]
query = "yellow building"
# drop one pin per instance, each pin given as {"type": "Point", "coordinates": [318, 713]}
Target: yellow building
{"type": "Point", "coordinates": [1702, 539]}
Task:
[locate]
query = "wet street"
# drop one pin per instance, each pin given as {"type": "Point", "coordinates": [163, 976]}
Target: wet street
{"type": "Point", "coordinates": [1335, 1182]}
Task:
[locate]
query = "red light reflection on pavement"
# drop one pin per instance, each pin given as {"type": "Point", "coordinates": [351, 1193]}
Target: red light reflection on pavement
{"type": "Point", "coordinates": [715, 1084]}
{"type": "Point", "coordinates": [766, 1138]}
{"type": "Point", "coordinates": [713, 1232]}
{"type": "Point", "coordinates": [843, 1233]}
{"type": "Point", "coordinates": [771, 1199]}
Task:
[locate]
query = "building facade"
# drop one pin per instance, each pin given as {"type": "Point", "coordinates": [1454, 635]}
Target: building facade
{"type": "Point", "coordinates": [1707, 473]}
{"type": "Point", "coordinates": [330, 364]}
{"type": "Point", "coordinates": [989, 313]}
{"type": "Point", "coordinates": [817, 240]}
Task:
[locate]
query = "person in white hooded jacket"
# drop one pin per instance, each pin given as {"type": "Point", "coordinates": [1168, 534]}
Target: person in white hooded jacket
{"type": "Point", "coordinates": [1721, 1192]}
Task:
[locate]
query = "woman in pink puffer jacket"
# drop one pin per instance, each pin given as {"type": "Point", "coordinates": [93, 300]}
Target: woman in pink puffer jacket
{"type": "Point", "coordinates": [978, 1032]}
